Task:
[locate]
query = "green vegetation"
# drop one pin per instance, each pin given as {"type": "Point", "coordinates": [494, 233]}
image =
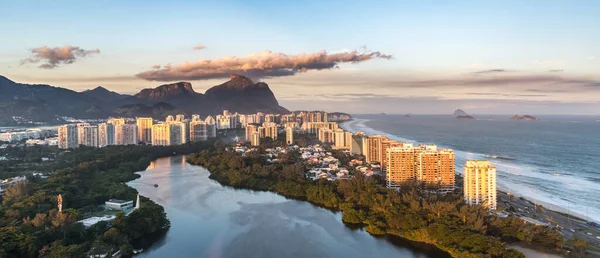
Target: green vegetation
{"type": "Point", "coordinates": [441, 220]}
{"type": "Point", "coordinates": [31, 226]}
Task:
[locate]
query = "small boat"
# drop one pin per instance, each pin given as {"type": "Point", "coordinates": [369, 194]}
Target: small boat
{"type": "Point", "coordinates": [138, 251]}
{"type": "Point", "coordinates": [155, 185]}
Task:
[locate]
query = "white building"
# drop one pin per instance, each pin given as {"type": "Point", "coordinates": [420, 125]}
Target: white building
{"type": "Point", "coordinates": [68, 137]}
{"type": "Point", "coordinates": [106, 134]}
{"type": "Point", "coordinates": [88, 135]}
{"type": "Point", "coordinates": [198, 131]}
{"type": "Point", "coordinates": [126, 134]}
{"type": "Point", "coordinates": [289, 135]}
{"type": "Point", "coordinates": [118, 205]}
{"type": "Point", "coordinates": [480, 183]}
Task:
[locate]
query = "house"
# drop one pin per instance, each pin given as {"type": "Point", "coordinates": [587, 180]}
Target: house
{"type": "Point", "coordinates": [120, 205]}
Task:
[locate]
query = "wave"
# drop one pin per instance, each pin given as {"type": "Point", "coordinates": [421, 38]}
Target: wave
{"type": "Point", "coordinates": [559, 190]}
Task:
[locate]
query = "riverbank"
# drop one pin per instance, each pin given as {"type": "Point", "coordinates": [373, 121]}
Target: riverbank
{"type": "Point", "coordinates": [443, 221]}
{"type": "Point", "coordinates": [209, 219]}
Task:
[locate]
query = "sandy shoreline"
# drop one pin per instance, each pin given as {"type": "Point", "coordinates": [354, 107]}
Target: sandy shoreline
{"type": "Point", "coordinates": [545, 205]}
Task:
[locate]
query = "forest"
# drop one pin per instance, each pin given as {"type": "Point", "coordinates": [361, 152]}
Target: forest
{"type": "Point", "coordinates": [31, 226]}
{"type": "Point", "coordinates": [441, 220]}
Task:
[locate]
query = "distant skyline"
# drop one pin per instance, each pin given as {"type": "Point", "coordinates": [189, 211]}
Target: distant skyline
{"type": "Point", "coordinates": [421, 57]}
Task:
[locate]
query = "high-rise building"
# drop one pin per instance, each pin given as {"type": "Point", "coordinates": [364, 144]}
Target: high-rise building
{"type": "Point", "coordinates": [270, 118]}
{"type": "Point", "coordinates": [271, 131]}
{"type": "Point", "coordinates": [210, 120]}
{"type": "Point", "coordinates": [106, 134]}
{"type": "Point", "coordinates": [88, 135]}
{"type": "Point", "coordinates": [373, 149]}
{"type": "Point", "coordinates": [178, 133]}
{"type": "Point", "coordinates": [196, 117]}
{"type": "Point", "coordinates": [480, 183]}
{"type": "Point", "coordinates": [126, 134]}
{"type": "Point", "coordinates": [68, 137]}
{"type": "Point", "coordinates": [180, 117]}
{"type": "Point", "coordinates": [342, 139]}
{"type": "Point", "coordinates": [435, 167]}
{"type": "Point", "coordinates": [198, 131]}
{"type": "Point", "coordinates": [170, 118]}
{"type": "Point", "coordinates": [116, 121]}
{"type": "Point", "coordinates": [226, 112]}
{"type": "Point", "coordinates": [255, 139]}
{"type": "Point", "coordinates": [424, 163]}
{"type": "Point", "coordinates": [144, 125]}
{"type": "Point", "coordinates": [250, 129]}
{"type": "Point", "coordinates": [211, 129]}
{"type": "Point", "coordinates": [161, 135]}
{"type": "Point", "coordinates": [325, 117]}
{"type": "Point", "coordinates": [400, 165]}
{"type": "Point", "coordinates": [289, 135]}
{"type": "Point", "coordinates": [326, 135]}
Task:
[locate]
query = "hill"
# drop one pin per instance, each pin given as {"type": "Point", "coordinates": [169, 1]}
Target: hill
{"type": "Point", "coordinates": [45, 103]}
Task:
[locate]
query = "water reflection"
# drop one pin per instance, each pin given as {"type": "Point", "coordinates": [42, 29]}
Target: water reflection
{"type": "Point", "coordinates": [209, 220]}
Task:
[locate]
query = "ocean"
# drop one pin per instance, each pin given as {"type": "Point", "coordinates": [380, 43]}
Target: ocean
{"type": "Point", "coordinates": [554, 161]}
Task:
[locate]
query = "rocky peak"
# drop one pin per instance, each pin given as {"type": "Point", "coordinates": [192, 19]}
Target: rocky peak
{"type": "Point", "coordinates": [238, 81]}
{"type": "Point", "coordinates": [167, 90]}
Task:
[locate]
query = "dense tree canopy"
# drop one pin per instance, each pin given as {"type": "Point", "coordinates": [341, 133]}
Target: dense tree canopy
{"type": "Point", "coordinates": [443, 220]}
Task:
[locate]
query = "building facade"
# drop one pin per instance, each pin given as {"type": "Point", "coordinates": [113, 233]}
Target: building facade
{"type": "Point", "coordinates": [480, 183]}
{"type": "Point", "coordinates": [126, 134]}
{"type": "Point", "coordinates": [68, 137]}
{"type": "Point", "coordinates": [144, 125]}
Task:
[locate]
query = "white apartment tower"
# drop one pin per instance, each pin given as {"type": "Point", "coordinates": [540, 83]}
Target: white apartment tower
{"type": "Point", "coordinates": [68, 137]}
{"type": "Point", "coordinates": [126, 134]}
{"type": "Point", "coordinates": [480, 183]}
{"type": "Point", "coordinates": [289, 135]}
{"type": "Point", "coordinates": [198, 131]}
{"type": "Point", "coordinates": [88, 135]}
{"type": "Point", "coordinates": [106, 134]}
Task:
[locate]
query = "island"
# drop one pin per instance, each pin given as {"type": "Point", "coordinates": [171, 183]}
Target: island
{"type": "Point", "coordinates": [525, 117]}
{"type": "Point", "coordinates": [462, 115]}
{"type": "Point", "coordinates": [459, 112]}
{"type": "Point", "coordinates": [465, 117]}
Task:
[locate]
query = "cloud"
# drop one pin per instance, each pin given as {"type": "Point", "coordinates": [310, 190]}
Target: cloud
{"type": "Point", "coordinates": [556, 70]}
{"type": "Point", "coordinates": [259, 65]}
{"type": "Point", "coordinates": [156, 66]}
{"type": "Point", "coordinates": [591, 58]}
{"type": "Point", "coordinates": [54, 57]}
{"type": "Point", "coordinates": [199, 47]}
{"type": "Point", "coordinates": [493, 71]}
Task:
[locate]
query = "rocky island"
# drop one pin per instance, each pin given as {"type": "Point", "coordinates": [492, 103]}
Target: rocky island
{"type": "Point", "coordinates": [525, 117]}
{"type": "Point", "coordinates": [462, 115]}
{"type": "Point", "coordinates": [467, 117]}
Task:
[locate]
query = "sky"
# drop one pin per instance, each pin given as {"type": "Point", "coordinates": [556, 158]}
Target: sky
{"type": "Point", "coordinates": [420, 57]}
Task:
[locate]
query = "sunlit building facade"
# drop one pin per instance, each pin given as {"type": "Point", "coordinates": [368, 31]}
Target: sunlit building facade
{"type": "Point", "coordinates": [480, 183]}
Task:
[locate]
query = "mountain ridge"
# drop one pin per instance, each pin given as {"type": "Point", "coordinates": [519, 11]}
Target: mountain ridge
{"type": "Point", "coordinates": [239, 94]}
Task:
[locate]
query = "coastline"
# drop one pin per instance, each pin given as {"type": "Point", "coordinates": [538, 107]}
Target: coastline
{"type": "Point", "coordinates": [502, 190]}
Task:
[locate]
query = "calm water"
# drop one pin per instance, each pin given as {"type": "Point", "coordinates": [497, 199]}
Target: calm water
{"type": "Point", "coordinates": [555, 160]}
{"type": "Point", "coordinates": [209, 220]}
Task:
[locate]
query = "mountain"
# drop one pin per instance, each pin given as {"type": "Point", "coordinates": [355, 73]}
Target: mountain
{"type": "Point", "coordinates": [31, 100]}
{"type": "Point", "coordinates": [460, 112]}
{"type": "Point", "coordinates": [103, 94]}
{"type": "Point", "coordinates": [45, 103]}
{"type": "Point", "coordinates": [159, 110]}
{"type": "Point", "coordinates": [525, 117]}
{"type": "Point", "coordinates": [240, 94]}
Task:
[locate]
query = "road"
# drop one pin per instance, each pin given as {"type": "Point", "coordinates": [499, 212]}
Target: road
{"type": "Point", "coordinates": [569, 226]}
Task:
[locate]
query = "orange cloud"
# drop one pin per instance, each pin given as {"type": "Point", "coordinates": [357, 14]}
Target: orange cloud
{"type": "Point", "coordinates": [54, 57]}
{"type": "Point", "coordinates": [258, 65]}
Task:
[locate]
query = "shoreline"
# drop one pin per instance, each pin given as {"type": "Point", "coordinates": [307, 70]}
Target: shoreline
{"type": "Point", "coordinates": [500, 189]}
